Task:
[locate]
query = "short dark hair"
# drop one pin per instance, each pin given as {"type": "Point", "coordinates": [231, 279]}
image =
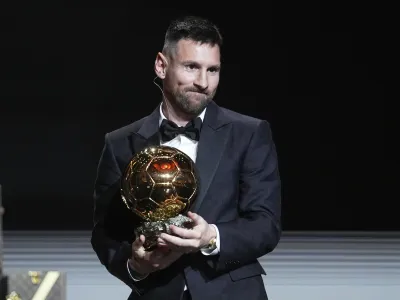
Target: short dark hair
{"type": "Point", "coordinates": [193, 28]}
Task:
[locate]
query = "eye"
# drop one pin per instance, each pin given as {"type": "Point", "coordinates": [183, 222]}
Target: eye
{"type": "Point", "coordinates": [191, 67]}
{"type": "Point", "coordinates": [214, 70]}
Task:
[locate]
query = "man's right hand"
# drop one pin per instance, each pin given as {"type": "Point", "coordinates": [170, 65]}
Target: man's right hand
{"type": "Point", "coordinates": [146, 262]}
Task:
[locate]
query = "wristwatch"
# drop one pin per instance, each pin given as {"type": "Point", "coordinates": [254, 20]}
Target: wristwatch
{"type": "Point", "coordinates": [212, 245]}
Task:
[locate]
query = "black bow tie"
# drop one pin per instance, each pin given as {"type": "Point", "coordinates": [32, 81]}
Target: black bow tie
{"type": "Point", "coordinates": [169, 130]}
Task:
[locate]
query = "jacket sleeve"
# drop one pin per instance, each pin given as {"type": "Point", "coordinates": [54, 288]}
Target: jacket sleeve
{"type": "Point", "coordinates": [257, 230]}
{"type": "Point", "coordinates": [109, 231]}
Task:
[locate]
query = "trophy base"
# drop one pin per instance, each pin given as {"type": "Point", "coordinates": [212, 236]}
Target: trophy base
{"type": "Point", "coordinates": [152, 230]}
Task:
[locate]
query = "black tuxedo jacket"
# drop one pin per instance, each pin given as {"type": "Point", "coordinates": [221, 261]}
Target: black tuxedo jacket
{"type": "Point", "coordinates": [240, 192]}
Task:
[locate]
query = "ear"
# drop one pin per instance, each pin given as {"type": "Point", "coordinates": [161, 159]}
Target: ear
{"type": "Point", "coordinates": [160, 65]}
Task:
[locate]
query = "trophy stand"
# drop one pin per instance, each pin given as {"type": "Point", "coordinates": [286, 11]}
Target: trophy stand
{"type": "Point", "coordinates": [152, 230]}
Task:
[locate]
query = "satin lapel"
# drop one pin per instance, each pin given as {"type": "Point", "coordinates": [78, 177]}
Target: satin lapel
{"type": "Point", "coordinates": [139, 142]}
{"type": "Point", "coordinates": [148, 134]}
{"type": "Point", "coordinates": [212, 144]}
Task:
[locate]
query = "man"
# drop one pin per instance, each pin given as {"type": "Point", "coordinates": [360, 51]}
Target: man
{"type": "Point", "coordinates": [237, 211]}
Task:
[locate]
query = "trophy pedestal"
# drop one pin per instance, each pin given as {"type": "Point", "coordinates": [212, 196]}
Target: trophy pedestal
{"type": "Point", "coordinates": [152, 230]}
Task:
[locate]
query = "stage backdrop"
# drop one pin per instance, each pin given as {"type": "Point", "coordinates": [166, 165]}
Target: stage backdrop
{"type": "Point", "coordinates": [69, 75]}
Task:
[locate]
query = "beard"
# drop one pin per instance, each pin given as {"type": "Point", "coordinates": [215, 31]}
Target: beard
{"type": "Point", "coordinates": [192, 102]}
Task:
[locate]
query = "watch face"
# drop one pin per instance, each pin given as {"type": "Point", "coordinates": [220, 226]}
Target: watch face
{"type": "Point", "coordinates": [213, 244]}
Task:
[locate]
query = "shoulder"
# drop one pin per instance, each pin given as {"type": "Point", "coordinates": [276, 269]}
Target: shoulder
{"type": "Point", "coordinates": [246, 130]}
{"type": "Point", "coordinates": [242, 121]}
{"type": "Point", "coordinates": [125, 131]}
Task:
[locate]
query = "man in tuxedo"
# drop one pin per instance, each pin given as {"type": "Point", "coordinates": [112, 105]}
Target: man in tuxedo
{"type": "Point", "coordinates": [237, 211]}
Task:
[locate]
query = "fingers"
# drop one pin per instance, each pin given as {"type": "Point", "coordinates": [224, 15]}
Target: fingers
{"type": "Point", "coordinates": [182, 239]}
{"type": "Point", "coordinates": [195, 217]}
{"type": "Point", "coordinates": [138, 243]}
{"type": "Point", "coordinates": [161, 243]}
{"type": "Point", "coordinates": [178, 242]}
{"type": "Point", "coordinates": [185, 233]}
{"type": "Point", "coordinates": [161, 258]}
{"type": "Point", "coordinates": [146, 262]}
{"type": "Point", "coordinates": [137, 247]}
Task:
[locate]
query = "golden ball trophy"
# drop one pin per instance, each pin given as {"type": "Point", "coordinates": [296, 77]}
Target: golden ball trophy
{"type": "Point", "coordinates": [159, 185]}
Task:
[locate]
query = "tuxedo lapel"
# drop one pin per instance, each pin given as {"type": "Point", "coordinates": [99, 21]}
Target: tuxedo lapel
{"type": "Point", "coordinates": [148, 134]}
{"type": "Point", "coordinates": [213, 138]}
{"type": "Point", "coordinates": [139, 142]}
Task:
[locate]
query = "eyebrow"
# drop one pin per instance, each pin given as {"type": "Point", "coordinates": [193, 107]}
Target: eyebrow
{"type": "Point", "coordinates": [191, 62]}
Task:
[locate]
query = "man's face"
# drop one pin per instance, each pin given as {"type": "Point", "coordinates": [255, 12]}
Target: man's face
{"type": "Point", "coordinates": [192, 75]}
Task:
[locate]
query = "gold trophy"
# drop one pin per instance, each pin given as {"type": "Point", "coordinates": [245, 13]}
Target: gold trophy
{"type": "Point", "coordinates": [159, 185]}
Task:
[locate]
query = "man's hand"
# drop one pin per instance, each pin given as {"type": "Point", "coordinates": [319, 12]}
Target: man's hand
{"type": "Point", "coordinates": [189, 240]}
{"type": "Point", "coordinates": [146, 262]}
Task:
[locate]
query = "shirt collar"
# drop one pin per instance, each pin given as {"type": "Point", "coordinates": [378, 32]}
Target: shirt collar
{"type": "Point", "coordinates": [162, 117]}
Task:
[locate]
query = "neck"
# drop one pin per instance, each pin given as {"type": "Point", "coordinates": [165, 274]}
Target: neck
{"type": "Point", "coordinates": [175, 115]}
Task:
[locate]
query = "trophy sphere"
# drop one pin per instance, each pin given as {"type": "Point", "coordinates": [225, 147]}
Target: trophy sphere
{"type": "Point", "coordinates": [159, 183]}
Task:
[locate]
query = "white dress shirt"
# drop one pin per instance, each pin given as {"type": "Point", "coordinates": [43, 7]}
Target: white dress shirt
{"type": "Point", "coordinates": [189, 147]}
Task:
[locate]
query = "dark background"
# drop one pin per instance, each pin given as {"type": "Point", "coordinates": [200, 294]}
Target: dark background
{"type": "Point", "coordinates": [71, 74]}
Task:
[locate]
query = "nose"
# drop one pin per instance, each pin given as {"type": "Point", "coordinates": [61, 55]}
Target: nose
{"type": "Point", "coordinates": [201, 81]}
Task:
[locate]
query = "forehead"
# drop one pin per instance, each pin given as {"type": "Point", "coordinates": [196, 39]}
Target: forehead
{"type": "Point", "coordinates": [196, 51]}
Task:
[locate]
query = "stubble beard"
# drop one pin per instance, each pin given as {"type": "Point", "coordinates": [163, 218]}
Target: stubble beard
{"type": "Point", "coordinates": [189, 107]}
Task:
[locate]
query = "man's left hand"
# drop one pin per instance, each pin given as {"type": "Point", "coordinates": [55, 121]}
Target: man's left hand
{"type": "Point", "coordinates": [189, 240]}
